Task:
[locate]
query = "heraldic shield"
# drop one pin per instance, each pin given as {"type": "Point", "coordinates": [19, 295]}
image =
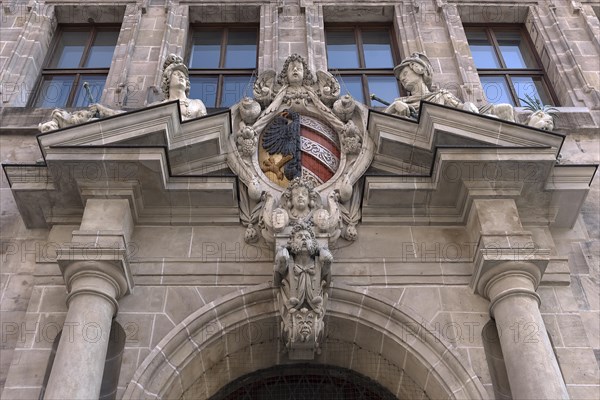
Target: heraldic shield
{"type": "Point", "coordinates": [295, 145]}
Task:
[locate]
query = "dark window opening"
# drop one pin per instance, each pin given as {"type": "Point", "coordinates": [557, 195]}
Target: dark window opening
{"type": "Point", "coordinates": [79, 54]}
{"type": "Point", "coordinates": [508, 68]}
{"type": "Point", "coordinates": [363, 59]}
{"type": "Point", "coordinates": [222, 64]}
{"type": "Point", "coordinates": [304, 382]}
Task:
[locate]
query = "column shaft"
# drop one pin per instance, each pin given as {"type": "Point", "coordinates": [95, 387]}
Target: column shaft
{"type": "Point", "coordinates": [79, 362]}
{"type": "Point", "coordinates": [531, 365]}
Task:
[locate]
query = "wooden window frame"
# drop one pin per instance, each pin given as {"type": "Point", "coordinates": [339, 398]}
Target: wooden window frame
{"type": "Point", "coordinates": [507, 73]}
{"type": "Point", "coordinates": [221, 72]}
{"type": "Point", "coordinates": [80, 70]}
{"type": "Point", "coordinates": [362, 71]}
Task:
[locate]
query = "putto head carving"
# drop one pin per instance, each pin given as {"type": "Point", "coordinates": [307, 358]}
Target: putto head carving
{"type": "Point", "coordinates": [420, 64]}
{"type": "Point", "coordinates": [174, 63]}
{"type": "Point", "coordinates": [295, 60]}
{"type": "Point", "coordinates": [300, 198]}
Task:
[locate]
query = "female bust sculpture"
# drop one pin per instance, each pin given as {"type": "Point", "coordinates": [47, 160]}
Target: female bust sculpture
{"type": "Point", "coordinates": [176, 86]}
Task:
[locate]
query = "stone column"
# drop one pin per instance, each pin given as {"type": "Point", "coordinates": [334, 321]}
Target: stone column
{"type": "Point", "coordinates": [96, 274]}
{"type": "Point", "coordinates": [531, 365]}
{"type": "Point", "coordinates": [508, 269]}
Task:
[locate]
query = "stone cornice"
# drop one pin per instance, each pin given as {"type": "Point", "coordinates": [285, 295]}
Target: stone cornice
{"type": "Point", "coordinates": [176, 172]}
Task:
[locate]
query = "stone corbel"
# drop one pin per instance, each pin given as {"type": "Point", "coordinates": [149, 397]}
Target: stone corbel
{"type": "Point", "coordinates": [302, 309]}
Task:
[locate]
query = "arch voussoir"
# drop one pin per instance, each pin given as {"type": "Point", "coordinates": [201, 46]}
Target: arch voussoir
{"type": "Point", "coordinates": [199, 353]}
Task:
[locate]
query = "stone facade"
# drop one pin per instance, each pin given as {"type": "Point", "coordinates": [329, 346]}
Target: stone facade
{"type": "Point", "coordinates": [449, 240]}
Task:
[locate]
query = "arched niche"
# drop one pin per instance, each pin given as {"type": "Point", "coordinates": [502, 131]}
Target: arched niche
{"type": "Point", "coordinates": [238, 334]}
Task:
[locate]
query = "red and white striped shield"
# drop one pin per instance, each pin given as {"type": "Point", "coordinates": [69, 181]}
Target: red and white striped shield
{"type": "Point", "coordinates": [320, 157]}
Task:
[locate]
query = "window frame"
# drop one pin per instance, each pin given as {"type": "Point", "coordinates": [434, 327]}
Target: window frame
{"type": "Point", "coordinates": [93, 30]}
{"type": "Point", "coordinates": [507, 73]}
{"type": "Point", "coordinates": [362, 71]}
{"type": "Point", "coordinates": [221, 72]}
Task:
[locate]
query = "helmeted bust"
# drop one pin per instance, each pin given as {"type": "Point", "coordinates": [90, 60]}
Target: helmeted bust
{"type": "Point", "coordinates": [415, 74]}
{"type": "Point", "coordinates": [175, 85]}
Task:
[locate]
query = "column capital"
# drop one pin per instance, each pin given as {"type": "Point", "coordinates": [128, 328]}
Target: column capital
{"type": "Point", "coordinates": [107, 278]}
{"type": "Point", "coordinates": [524, 273]}
{"type": "Point", "coordinates": [96, 259]}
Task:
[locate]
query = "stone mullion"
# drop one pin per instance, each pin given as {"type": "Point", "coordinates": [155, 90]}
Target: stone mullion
{"type": "Point", "coordinates": [470, 87]}
{"type": "Point", "coordinates": [268, 47]}
{"type": "Point", "coordinates": [561, 58]}
{"type": "Point", "coordinates": [315, 27]}
{"type": "Point", "coordinates": [405, 24]}
{"type": "Point", "coordinates": [175, 35]}
{"type": "Point", "coordinates": [292, 25]}
{"type": "Point", "coordinates": [116, 89]}
{"type": "Point", "coordinates": [22, 70]}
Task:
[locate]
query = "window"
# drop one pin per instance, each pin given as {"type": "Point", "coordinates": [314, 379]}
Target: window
{"type": "Point", "coordinates": [79, 54]}
{"type": "Point", "coordinates": [363, 59]}
{"type": "Point", "coordinates": [222, 62]}
{"type": "Point", "coordinates": [507, 66]}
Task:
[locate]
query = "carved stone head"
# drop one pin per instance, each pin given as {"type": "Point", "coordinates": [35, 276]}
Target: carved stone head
{"type": "Point", "coordinates": [295, 71]}
{"type": "Point", "coordinates": [321, 219]}
{"type": "Point", "coordinates": [174, 63]}
{"type": "Point", "coordinates": [304, 324]}
{"type": "Point", "coordinates": [419, 64]}
{"type": "Point", "coordinates": [303, 240]}
{"type": "Point", "coordinates": [541, 120]}
{"type": "Point", "coordinates": [300, 198]}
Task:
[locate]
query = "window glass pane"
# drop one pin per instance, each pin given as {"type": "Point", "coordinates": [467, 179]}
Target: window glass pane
{"type": "Point", "coordinates": [241, 49]}
{"type": "Point", "coordinates": [102, 49]}
{"type": "Point", "coordinates": [481, 49]}
{"type": "Point", "coordinates": [352, 85]}
{"type": "Point", "coordinates": [377, 48]}
{"type": "Point", "coordinates": [531, 86]}
{"type": "Point", "coordinates": [69, 50]}
{"type": "Point", "coordinates": [234, 88]}
{"type": "Point", "coordinates": [54, 91]}
{"type": "Point", "coordinates": [384, 87]}
{"type": "Point", "coordinates": [96, 84]}
{"type": "Point", "coordinates": [205, 89]}
{"type": "Point", "coordinates": [496, 90]}
{"type": "Point", "coordinates": [206, 49]}
{"type": "Point", "coordinates": [341, 49]}
{"type": "Point", "coordinates": [514, 50]}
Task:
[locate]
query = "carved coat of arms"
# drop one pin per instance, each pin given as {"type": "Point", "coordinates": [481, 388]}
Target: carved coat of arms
{"type": "Point", "coordinates": [299, 149]}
